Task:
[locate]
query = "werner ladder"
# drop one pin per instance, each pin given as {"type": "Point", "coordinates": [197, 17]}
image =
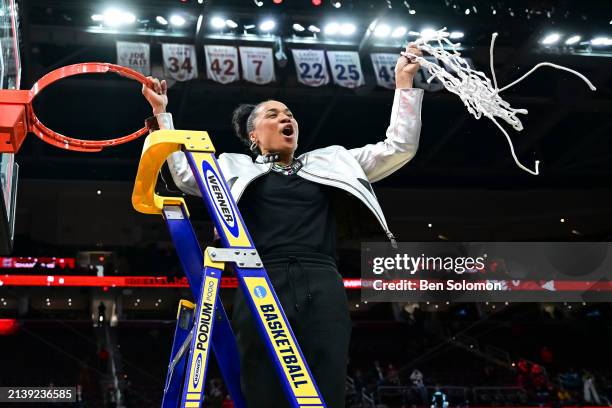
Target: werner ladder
{"type": "Point", "coordinates": [204, 326]}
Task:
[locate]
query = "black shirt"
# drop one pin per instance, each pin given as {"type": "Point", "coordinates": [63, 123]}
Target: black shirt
{"type": "Point", "coordinates": [289, 214]}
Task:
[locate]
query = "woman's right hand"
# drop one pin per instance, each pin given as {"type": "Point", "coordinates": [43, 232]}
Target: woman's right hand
{"type": "Point", "coordinates": [157, 95]}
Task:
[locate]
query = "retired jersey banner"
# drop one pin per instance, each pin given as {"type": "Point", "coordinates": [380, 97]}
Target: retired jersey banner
{"type": "Point", "coordinates": [384, 69]}
{"type": "Point", "coordinates": [257, 64]}
{"type": "Point", "coordinates": [134, 55]}
{"type": "Point", "coordinates": [422, 76]}
{"type": "Point", "coordinates": [346, 68]}
{"type": "Point", "coordinates": [311, 67]}
{"type": "Point", "coordinates": [180, 61]}
{"type": "Point", "coordinates": [221, 63]}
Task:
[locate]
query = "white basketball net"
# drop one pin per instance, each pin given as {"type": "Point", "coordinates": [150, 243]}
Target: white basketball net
{"type": "Point", "coordinates": [479, 95]}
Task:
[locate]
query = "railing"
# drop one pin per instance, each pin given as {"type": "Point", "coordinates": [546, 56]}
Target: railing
{"type": "Point", "coordinates": [500, 396]}
{"type": "Point", "coordinates": [367, 400]}
{"type": "Point", "coordinates": [491, 353]}
{"type": "Point", "coordinates": [350, 384]}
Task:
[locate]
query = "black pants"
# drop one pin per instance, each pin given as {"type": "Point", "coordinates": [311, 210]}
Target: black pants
{"type": "Point", "coordinates": [312, 294]}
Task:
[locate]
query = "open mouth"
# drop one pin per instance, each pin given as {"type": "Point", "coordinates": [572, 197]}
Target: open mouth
{"type": "Point", "coordinates": [288, 130]}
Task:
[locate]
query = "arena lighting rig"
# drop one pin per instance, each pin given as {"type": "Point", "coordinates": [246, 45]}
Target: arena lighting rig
{"type": "Point", "coordinates": [115, 20]}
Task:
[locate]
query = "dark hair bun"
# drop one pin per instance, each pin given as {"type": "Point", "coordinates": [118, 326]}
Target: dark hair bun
{"type": "Point", "coordinates": [239, 121]}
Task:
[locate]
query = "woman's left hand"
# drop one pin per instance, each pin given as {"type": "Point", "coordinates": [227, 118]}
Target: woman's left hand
{"type": "Point", "coordinates": [406, 68]}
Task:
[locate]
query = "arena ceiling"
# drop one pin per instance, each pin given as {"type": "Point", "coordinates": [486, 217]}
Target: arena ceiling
{"type": "Point", "coordinates": [568, 127]}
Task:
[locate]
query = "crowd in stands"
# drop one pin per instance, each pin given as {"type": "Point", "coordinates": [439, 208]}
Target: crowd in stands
{"type": "Point", "coordinates": [532, 385]}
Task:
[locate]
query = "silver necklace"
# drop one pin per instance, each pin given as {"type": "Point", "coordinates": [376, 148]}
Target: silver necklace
{"type": "Point", "coordinates": [287, 169]}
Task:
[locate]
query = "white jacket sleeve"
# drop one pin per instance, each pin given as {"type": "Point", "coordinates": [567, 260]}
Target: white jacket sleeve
{"type": "Point", "coordinates": [177, 162]}
{"type": "Point", "coordinates": [402, 138]}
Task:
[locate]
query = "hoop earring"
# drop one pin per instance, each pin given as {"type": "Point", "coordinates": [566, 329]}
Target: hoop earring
{"type": "Point", "coordinates": [253, 147]}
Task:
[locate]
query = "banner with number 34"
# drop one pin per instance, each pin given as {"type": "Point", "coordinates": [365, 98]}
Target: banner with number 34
{"type": "Point", "coordinates": [180, 61]}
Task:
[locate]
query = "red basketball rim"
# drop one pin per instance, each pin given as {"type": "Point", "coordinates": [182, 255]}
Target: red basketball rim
{"type": "Point", "coordinates": [69, 143]}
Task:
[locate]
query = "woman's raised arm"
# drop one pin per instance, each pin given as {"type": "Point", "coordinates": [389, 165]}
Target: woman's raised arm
{"type": "Point", "coordinates": [157, 96]}
{"type": "Point", "coordinates": [402, 137]}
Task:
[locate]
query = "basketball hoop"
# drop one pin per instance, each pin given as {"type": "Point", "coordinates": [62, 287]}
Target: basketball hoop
{"type": "Point", "coordinates": [17, 116]}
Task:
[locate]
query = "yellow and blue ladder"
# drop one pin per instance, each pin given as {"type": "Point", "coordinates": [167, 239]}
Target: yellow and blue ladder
{"type": "Point", "coordinates": [203, 326]}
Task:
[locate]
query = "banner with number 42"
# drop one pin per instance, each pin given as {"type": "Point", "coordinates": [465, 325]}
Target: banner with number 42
{"type": "Point", "coordinates": [221, 63]}
{"type": "Point", "coordinates": [180, 61]}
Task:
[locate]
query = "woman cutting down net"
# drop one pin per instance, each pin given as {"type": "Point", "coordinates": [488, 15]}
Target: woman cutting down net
{"type": "Point", "coordinates": [285, 203]}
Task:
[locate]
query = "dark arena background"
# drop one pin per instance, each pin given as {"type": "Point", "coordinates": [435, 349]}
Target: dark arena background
{"type": "Point", "coordinates": [89, 288]}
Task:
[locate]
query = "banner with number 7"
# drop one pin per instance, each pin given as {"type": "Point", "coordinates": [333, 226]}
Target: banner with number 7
{"type": "Point", "coordinates": [257, 64]}
{"type": "Point", "coordinates": [221, 63]}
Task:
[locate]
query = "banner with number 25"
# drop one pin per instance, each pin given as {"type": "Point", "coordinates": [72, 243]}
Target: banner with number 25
{"type": "Point", "coordinates": [346, 68]}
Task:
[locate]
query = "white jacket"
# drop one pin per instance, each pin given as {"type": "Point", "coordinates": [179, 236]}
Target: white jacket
{"type": "Point", "coordinates": [350, 170]}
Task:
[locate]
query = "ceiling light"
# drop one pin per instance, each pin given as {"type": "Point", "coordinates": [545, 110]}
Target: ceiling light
{"type": "Point", "coordinates": [399, 32]}
{"type": "Point", "coordinates": [332, 28]}
{"type": "Point", "coordinates": [128, 18]}
{"type": "Point", "coordinates": [161, 20]}
{"type": "Point", "coordinates": [347, 29]}
{"type": "Point", "coordinates": [572, 40]}
{"type": "Point", "coordinates": [456, 35]}
{"type": "Point", "coordinates": [601, 41]}
{"type": "Point", "coordinates": [551, 39]}
{"type": "Point", "coordinates": [97, 17]}
{"type": "Point", "coordinates": [112, 17]}
{"type": "Point", "coordinates": [382, 30]}
{"type": "Point", "coordinates": [217, 23]}
{"type": "Point", "coordinates": [428, 33]}
{"type": "Point", "coordinates": [231, 24]}
{"type": "Point", "coordinates": [267, 25]}
{"type": "Point", "coordinates": [177, 21]}
{"type": "Point", "coordinates": [337, 4]}
{"type": "Point", "coordinates": [298, 27]}
{"type": "Point", "coordinates": [314, 29]}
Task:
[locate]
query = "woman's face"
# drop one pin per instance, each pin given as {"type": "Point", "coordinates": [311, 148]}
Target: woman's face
{"type": "Point", "coordinates": [276, 130]}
